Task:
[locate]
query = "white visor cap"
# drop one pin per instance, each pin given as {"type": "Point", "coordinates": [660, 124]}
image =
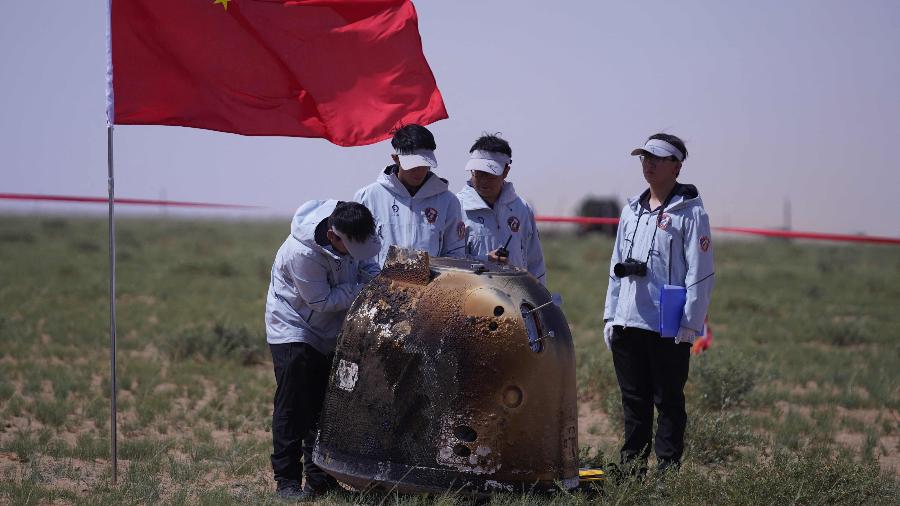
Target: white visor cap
{"type": "Point", "coordinates": [660, 148]}
{"type": "Point", "coordinates": [488, 161]}
{"type": "Point", "coordinates": [360, 250]}
{"type": "Point", "coordinates": [418, 158]}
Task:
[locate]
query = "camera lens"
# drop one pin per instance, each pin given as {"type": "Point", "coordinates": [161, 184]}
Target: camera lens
{"type": "Point", "coordinates": [630, 267]}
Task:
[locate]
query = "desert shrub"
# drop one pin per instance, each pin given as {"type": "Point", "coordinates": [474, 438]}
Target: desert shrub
{"type": "Point", "coordinates": [715, 437]}
{"type": "Point", "coordinates": [55, 224]}
{"type": "Point", "coordinates": [812, 476]}
{"type": "Point", "coordinates": [51, 412]}
{"type": "Point", "coordinates": [23, 444]}
{"type": "Point", "coordinates": [152, 406]}
{"type": "Point", "coordinates": [223, 340]}
{"type": "Point", "coordinates": [794, 431]}
{"type": "Point", "coordinates": [85, 245]}
{"type": "Point", "coordinates": [90, 447]}
{"type": "Point", "coordinates": [844, 333]}
{"type": "Point", "coordinates": [7, 389]}
{"type": "Point", "coordinates": [612, 405]}
{"type": "Point", "coordinates": [141, 484]}
{"type": "Point", "coordinates": [591, 457]}
{"type": "Point", "coordinates": [723, 378]}
{"type": "Point", "coordinates": [21, 236]}
{"type": "Point", "coordinates": [207, 267]}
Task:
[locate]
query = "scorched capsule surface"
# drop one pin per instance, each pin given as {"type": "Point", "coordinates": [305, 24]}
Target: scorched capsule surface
{"type": "Point", "coordinates": [452, 375]}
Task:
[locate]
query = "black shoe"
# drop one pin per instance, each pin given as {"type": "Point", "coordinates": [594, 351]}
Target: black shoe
{"type": "Point", "coordinates": [290, 491]}
{"type": "Point", "coordinates": [667, 466]}
{"type": "Point", "coordinates": [321, 484]}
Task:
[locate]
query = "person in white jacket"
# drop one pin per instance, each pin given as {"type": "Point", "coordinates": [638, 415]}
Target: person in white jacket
{"type": "Point", "coordinates": [412, 206]}
{"type": "Point", "coordinates": [500, 226]}
{"type": "Point", "coordinates": [663, 238]}
{"type": "Point", "coordinates": [318, 272]}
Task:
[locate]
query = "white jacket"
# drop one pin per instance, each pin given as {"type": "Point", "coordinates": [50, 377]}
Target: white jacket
{"type": "Point", "coordinates": [431, 220]}
{"type": "Point", "coordinates": [681, 254]}
{"type": "Point", "coordinates": [312, 285]}
{"type": "Point", "coordinates": [511, 217]}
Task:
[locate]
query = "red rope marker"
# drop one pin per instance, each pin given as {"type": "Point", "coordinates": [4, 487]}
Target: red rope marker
{"type": "Point", "coordinates": [788, 234]}
{"type": "Point", "coordinates": [582, 220]}
{"type": "Point", "coordinates": [100, 200]}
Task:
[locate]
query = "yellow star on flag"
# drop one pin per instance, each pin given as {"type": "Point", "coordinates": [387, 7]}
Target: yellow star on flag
{"type": "Point", "coordinates": [223, 2]}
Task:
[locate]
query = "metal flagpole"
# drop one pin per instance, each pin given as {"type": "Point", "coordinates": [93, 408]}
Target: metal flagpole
{"type": "Point", "coordinates": [110, 111]}
{"type": "Point", "coordinates": [112, 310]}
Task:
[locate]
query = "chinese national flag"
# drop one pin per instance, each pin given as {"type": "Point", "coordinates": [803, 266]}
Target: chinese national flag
{"type": "Point", "coordinates": [347, 71]}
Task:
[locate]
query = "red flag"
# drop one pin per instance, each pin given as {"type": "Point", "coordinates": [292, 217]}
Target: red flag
{"type": "Point", "coordinates": [346, 71]}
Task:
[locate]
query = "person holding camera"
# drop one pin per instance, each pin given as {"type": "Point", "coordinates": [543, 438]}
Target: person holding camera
{"type": "Point", "coordinates": [663, 238]}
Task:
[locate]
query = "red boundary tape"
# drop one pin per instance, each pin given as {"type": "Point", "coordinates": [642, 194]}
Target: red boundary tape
{"type": "Point", "coordinates": [546, 219]}
{"type": "Point", "coordinates": [740, 230]}
{"type": "Point", "coordinates": [583, 220]}
{"type": "Point", "coordinates": [101, 200]}
{"type": "Point", "coordinates": [810, 235]}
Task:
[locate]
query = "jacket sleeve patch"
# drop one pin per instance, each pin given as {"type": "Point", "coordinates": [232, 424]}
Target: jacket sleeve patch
{"type": "Point", "coordinates": [461, 230]}
{"type": "Point", "coordinates": [704, 243]}
{"type": "Point", "coordinates": [513, 223]}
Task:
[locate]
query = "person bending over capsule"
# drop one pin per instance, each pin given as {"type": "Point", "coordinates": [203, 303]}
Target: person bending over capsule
{"type": "Point", "coordinates": [318, 271]}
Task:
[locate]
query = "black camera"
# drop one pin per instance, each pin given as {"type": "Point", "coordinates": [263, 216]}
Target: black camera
{"type": "Point", "coordinates": [630, 267]}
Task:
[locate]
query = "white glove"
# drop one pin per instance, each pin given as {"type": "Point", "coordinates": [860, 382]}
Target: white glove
{"type": "Point", "coordinates": [685, 335]}
{"type": "Point", "coordinates": [607, 335]}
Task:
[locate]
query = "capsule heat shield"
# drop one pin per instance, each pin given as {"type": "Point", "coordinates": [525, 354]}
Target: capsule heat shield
{"type": "Point", "coordinates": [450, 375]}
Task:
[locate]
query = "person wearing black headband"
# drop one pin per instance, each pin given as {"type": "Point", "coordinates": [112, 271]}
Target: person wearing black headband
{"type": "Point", "coordinates": [663, 238]}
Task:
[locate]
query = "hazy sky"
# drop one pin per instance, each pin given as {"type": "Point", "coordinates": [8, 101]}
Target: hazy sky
{"type": "Point", "coordinates": [776, 100]}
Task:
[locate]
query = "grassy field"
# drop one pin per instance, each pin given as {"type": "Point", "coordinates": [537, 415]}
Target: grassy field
{"type": "Point", "coordinates": [797, 401]}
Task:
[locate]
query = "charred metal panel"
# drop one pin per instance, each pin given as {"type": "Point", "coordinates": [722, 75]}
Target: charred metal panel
{"type": "Point", "coordinates": [451, 374]}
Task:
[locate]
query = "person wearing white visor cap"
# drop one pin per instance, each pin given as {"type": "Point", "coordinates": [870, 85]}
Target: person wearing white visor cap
{"type": "Point", "coordinates": [663, 238]}
{"type": "Point", "coordinates": [318, 271]}
{"type": "Point", "coordinates": [413, 207]}
{"type": "Point", "coordinates": [500, 225]}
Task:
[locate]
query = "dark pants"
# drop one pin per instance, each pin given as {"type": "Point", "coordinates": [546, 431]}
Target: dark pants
{"type": "Point", "coordinates": [651, 370]}
{"type": "Point", "coordinates": [301, 376]}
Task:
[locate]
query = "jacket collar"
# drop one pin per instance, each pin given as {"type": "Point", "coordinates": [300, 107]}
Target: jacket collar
{"type": "Point", "coordinates": [685, 195]}
{"type": "Point", "coordinates": [472, 201]}
{"type": "Point", "coordinates": [432, 186]}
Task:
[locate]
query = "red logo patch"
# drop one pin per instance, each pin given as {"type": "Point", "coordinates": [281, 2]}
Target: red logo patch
{"type": "Point", "coordinates": [664, 221]}
{"type": "Point", "coordinates": [704, 243]}
{"type": "Point", "coordinates": [461, 230]}
{"type": "Point", "coordinates": [431, 214]}
{"type": "Point", "coordinates": [513, 223]}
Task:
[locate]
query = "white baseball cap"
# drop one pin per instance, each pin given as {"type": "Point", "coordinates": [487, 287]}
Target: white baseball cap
{"type": "Point", "coordinates": [360, 250]}
{"type": "Point", "coordinates": [418, 158]}
{"type": "Point", "coordinates": [660, 148]}
{"type": "Point", "coordinates": [488, 161]}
